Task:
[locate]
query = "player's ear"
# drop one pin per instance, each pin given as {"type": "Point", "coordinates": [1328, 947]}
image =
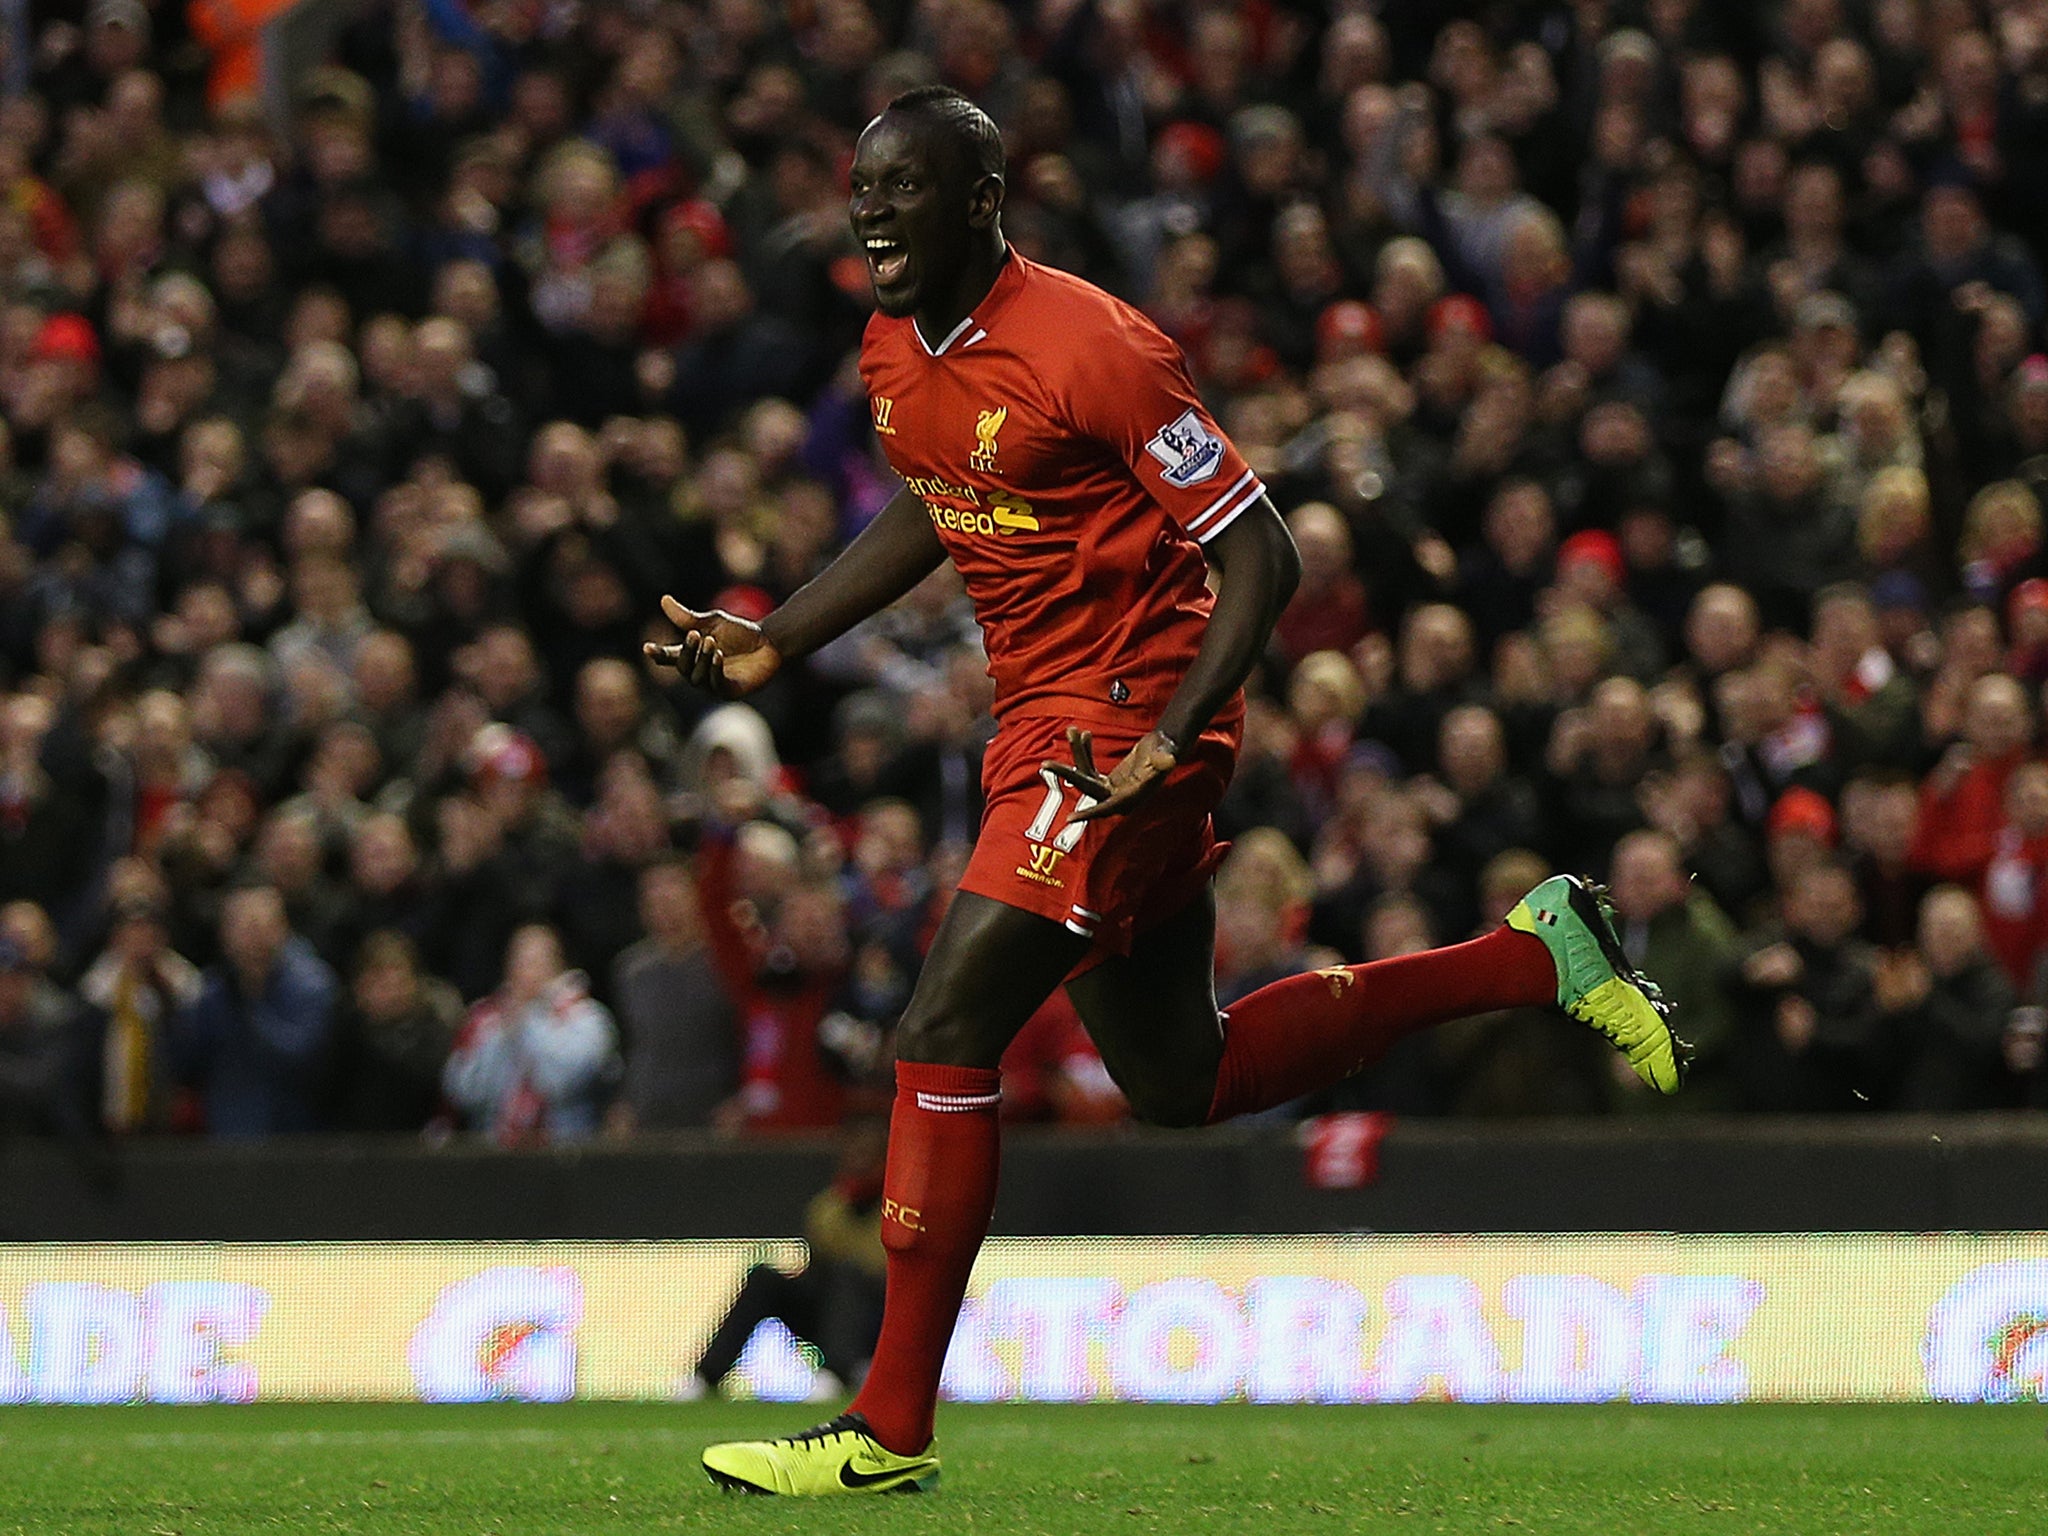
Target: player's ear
{"type": "Point", "coordinates": [985, 201]}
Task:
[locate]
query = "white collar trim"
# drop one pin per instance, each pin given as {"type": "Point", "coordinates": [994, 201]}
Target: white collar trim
{"type": "Point", "coordinates": [951, 336]}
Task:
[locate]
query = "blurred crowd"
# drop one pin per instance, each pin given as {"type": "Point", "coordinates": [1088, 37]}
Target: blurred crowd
{"type": "Point", "coordinates": [1658, 394]}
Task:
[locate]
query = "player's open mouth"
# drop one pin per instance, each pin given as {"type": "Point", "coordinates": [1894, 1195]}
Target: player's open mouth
{"type": "Point", "coordinates": [888, 260]}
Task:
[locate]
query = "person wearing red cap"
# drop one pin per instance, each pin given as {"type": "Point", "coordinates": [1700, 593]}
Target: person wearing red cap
{"type": "Point", "coordinates": [1455, 367]}
{"type": "Point", "coordinates": [67, 338]}
{"type": "Point", "coordinates": [1804, 811]}
{"type": "Point", "coordinates": [1459, 314]}
{"type": "Point", "coordinates": [1592, 573]}
{"type": "Point", "coordinates": [687, 234]}
{"type": "Point", "coordinates": [1595, 553]}
{"type": "Point", "coordinates": [1164, 229]}
{"type": "Point", "coordinates": [1348, 328]}
{"type": "Point", "coordinates": [63, 372]}
{"type": "Point", "coordinates": [1186, 154]}
{"type": "Point", "coordinates": [1799, 834]}
{"type": "Point", "coordinates": [541, 834]}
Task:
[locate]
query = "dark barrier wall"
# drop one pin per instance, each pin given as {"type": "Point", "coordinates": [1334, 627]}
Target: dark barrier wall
{"type": "Point", "coordinates": [1705, 1175]}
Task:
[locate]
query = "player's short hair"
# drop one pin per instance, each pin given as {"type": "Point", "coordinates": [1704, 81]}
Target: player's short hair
{"type": "Point", "coordinates": [970, 129]}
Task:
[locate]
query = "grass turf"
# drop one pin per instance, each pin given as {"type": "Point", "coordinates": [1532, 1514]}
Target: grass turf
{"type": "Point", "coordinates": [511, 1470]}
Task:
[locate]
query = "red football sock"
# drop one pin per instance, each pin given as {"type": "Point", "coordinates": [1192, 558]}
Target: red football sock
{"type": "Point", "coordinates": [1316, 1029]}
{"type": "Point", "coordinates": [937, 1193]}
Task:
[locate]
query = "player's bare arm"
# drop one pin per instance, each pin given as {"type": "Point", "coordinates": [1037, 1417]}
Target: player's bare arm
{"type": "Point", "coordinates": [1257, 568]}
{"type": "Point", "coordinates": [733, 657]}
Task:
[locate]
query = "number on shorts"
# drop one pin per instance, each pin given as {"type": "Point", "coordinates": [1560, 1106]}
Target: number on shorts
{"type": "Point", "coordinates": [1049, 810]}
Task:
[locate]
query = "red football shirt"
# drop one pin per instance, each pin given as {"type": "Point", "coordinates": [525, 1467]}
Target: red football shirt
{"type": "Point", "coordinates": [1072, 473]}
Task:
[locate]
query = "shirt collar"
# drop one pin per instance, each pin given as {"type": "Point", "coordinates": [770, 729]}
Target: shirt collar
{"type": "Point", "coordinates": [974, 327]}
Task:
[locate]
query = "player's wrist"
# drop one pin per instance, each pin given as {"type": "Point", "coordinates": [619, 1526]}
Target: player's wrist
{"type": "Point", "coordinates": [1168, 739]}
{"type": "Point", "coordinates": [777, 636]}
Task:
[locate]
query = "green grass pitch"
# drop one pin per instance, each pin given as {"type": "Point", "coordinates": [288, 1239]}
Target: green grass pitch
{"type": "Point", "coordinates": [558, 1471]}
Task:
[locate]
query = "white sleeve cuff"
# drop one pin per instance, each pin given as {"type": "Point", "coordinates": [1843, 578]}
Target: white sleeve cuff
{"type": "Point", "coordinates": [1224, 513]}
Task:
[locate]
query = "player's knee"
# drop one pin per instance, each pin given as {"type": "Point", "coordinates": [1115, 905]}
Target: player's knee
{"type": "Point", "coordinates": [1172, 1106]}
{"type": "Point", "coordinates": [947, 1037]}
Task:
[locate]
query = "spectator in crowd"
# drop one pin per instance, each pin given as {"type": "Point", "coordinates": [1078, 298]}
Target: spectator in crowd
{"type": "Point", "coordinates": [1962, 800]}
{"type": "Point", "coordinates": [138, 986]}
{"type": "Point", "coordinates": [392, 1039]}
{"type": "Point", "coordinates": [1329, 610]}
{"type": "Point", "coordinates": [40, 1030]}
{"type": "Point", "coordinates": [682, 1035]}
{"type": "Point", "coordinates": [255, 1043]}
{"type": "Point", "coordinates": [1879, 811]}
{"type": "Point", "coordinates": [1262, 896]}
{"type": "Point", "coordinates": [2014, 895]}
{"type": "Point", "coordinates": [535, 1061]}
{"type": "Point", "coordinates": [1677, 934]}
{"type": "Point", "coordinates": [1949, 1004]}
{"type": "Point", "coordinates": [1869, 703]}
{"type": "Point", "coordinates": [1479, 808]}
{"type": "Point", "coordinates": [47, 819]}
{"type": "Point", "coordinates": [1808, 1030]}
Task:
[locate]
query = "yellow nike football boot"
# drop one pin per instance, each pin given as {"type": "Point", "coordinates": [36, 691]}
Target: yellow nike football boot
{"type": "Point", "coordinates": [1595, 982]}
{"type": "Point", "coordinates": [839, 1457]}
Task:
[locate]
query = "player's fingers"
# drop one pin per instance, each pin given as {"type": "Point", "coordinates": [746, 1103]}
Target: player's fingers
{"type": "Point", "coordinates": [1088, 783]}
{"type": "Point", "coordinates": [676, 656]}
{"type": "Point", "coordinates": [698, 649]}
{"type": "Point", "coordinates": [665, 655]}
{"type": "Point", "coordinates": [1082, 744]}
{"type": "Point", "coordinates": [680, 616]}
{"type": "Point", "coordinates": [714, 669]}
{"type": "Point", "coordinates": [1114, 803]}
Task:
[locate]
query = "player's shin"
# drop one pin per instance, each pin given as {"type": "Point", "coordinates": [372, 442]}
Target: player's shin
{"type": "Point", "coordinates": [1318, 1028]}
{"type": "Point", "coordinates": [937, 1193]}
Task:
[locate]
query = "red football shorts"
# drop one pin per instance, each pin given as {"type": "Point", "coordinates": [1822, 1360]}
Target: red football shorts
{"type": "Point", "coordinates": [1107, 880]}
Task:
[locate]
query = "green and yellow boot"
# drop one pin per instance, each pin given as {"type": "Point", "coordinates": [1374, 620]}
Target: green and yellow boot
{"type": "Point", "coordinates": [1595, 982]}
{"type": "Point", "coordinates": [834, 1458]}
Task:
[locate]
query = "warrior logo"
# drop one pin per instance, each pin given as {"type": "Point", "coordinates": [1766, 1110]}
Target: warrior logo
{"type": "Point", "coordinates": [1341, 978]}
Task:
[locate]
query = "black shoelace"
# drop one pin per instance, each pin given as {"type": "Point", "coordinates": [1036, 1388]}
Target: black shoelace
{"type": "Point", "coordinates": [846, 1423]}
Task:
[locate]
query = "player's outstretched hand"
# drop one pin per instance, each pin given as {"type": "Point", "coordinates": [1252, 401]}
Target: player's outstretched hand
{"type": "Point", "coordinates": [719, 652]}
{"type": "Point", "coordinates": [1143, 769]}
